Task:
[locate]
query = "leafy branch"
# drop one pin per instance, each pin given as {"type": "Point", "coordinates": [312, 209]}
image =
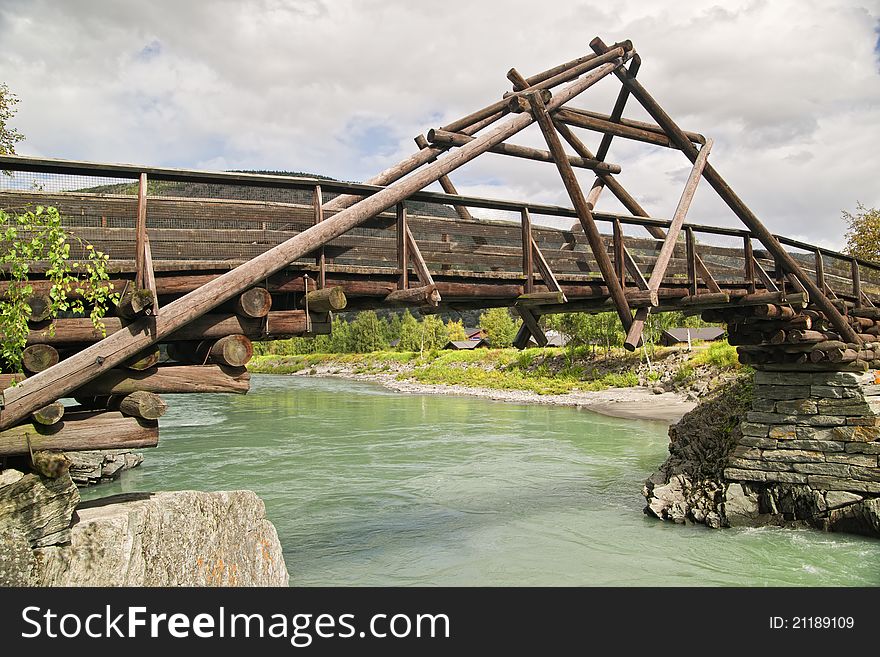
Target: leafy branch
{"type": "Point", "coordinates": [77, 288]}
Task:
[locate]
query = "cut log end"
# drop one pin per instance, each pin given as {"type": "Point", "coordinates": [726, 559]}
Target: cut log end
{"type": "Point", "coordinates": [40, 308]}
{"type": "Point", "coordinates": [328, 299]}
{"type": "Point", "coordinates": [233, 350]}
{"type": "Point", "coordinates": [256, 302]}
{"type": "Point", "coordinates": [49, 414]}
{"type": "Point", "coordinates": [135, 303]}
{"type": "Point", "coordinates": [39, 357]}
{"type": "Point", "coordinates": [142, 404]}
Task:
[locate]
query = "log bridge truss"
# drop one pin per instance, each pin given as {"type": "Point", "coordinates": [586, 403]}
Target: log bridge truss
{"type": "Point", "coordinates": [211, 261]}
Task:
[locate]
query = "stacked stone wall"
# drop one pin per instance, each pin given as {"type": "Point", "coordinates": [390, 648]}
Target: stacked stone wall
{"type": "Point", "coordinates": [817, 429]}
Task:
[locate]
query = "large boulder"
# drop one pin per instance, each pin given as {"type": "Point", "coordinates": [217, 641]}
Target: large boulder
{"type": "Point", "coordinates": [185, 538]}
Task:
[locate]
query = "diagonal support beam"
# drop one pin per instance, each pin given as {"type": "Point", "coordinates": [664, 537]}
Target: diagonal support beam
{"type": "Point", "coordinates": [627, 200]}
{"type": "Point", "coordinates": [684, 204]}
{"type": "Point", "coordinates": [529, 326]}
{"type": "Point", "coordinates": [446, 183]}
{"type": "Point", "coordinates": [733, 201]}
{"type": "Point", "coordinates": [544, 268]}
{"type": "Point", "coordinates": [617, 111]}
{"type": "Point", "coordinates": [539, 111]}
{"type": "Point", "coordinates": [634, 334]}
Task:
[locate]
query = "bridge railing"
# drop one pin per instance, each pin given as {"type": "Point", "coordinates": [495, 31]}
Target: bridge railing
{"type": "Point", "coordinates": [216, 220]}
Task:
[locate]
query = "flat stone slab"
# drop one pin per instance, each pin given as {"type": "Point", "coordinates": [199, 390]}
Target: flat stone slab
{"type": "Point", "coordinates": [185, 538]}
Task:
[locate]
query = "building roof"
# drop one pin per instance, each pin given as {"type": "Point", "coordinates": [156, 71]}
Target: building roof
{"type": "Point", "coordinates": [466, 344]}
{"type": "Point", "coordinates": [681, 334]}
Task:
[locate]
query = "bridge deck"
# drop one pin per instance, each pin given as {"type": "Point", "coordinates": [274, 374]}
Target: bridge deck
{"type": "Point", "coordinates": [474, 263]}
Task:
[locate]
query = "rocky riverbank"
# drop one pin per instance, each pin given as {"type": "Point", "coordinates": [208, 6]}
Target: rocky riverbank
{"type": "Point", "coordinates": [780, 452]}
{"type": "Point", "coordinates": [186, 538]}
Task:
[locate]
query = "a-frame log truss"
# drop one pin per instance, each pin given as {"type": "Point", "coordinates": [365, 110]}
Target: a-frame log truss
{"type": "Point", "coordinates": [544, 98]}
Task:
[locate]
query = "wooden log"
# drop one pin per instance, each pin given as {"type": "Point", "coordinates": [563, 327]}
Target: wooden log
{"type": "Point", "coordinates": [796, 335]}
{"type": "Point", "coordinates": [540, 298]}
{"type": "Point", "coordinates": [40, 306]}
{"type": "Point", "coordinates": [627, 200]}
{"type": "Point", "coordinates": [141, 233]}
{"type": "Point", "coordinates": [414, 296]}
{"type": "Point", "coordinates": [253, 303]}
{"type": "Point", "coordinates": [135, 303]}
{"type": "Point", "coordinates": [446, 184]}
{"type": "Point", "coordinates": [581, 120]}
{"type": "Point", "coordinates": [547, 275]}
{"type": "Point", "coordinates": [438, 136]}
{"type": "Point", "coordinates": [530, 323]}
{"type": "Point", "coordinates": [527, 250]}
{"type": "Point", "coordinates": [773, 311]}
{"type": "Point", "coordinates": [80, 431]}
{"type": "Point", "coordinates": [325, 300]}
{"type": "Point", "coordinates": [142, 404]}
{"type": "Point", "coordinates": [695, 137]}
{"type": "Point", "coordinates": [634, 335]}
{"type": "Point", "coordinates": [49, 414]}
{"type": "Point", "coordinates": [80, 368]}
{"type": "Point", "coordinates": [796, 322]}
{"type": "Point", "coordinates": [164, 379]}
{"type": "Point", "coordinates": [727, 194]}
{"type": "Point", "coordinates": [818, 355]}
{"type": "Point", "coordinates": [277, 325]}
{"type": "Point", "coordinates": [39, 357]}
{"type": "Point", "coordinates": [144, 360]}
{"type": "Point", "coordinates": [708, 298]}
{"type": "Point", "coordinates": [233, 350]}
{"type": "Point", "coordinates": [855, 366]}
{"type": "Point", "coordinates": [672, 233]}
{"type": "Point", "coordinates": [585, 216]}
{"type": "Point", "coordinates": [320, 257]}
{"type": "Point", "coordinates": [776, 337]}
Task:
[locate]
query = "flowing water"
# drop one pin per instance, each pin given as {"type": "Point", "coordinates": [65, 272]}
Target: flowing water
{"type": "Point", "coordinates": [372, 487]}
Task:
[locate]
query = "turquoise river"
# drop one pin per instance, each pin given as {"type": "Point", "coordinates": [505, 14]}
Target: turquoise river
{"type": "Point", "coordinates": [371, 487]}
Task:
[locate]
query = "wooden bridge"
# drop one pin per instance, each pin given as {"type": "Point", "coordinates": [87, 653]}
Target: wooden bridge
{"type": "Point", "coordinates": [210, 261]}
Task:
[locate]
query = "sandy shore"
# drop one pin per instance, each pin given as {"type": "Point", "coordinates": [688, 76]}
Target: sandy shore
{"type": "Point", "coordinates": [634, 403]}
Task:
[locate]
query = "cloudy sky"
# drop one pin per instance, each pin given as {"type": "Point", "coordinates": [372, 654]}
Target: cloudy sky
{"type": "Point", "coordinates": [789, 90]}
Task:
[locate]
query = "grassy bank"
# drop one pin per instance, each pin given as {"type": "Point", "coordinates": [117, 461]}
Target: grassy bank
{"type": "Point", "coordinates": [543, 371]}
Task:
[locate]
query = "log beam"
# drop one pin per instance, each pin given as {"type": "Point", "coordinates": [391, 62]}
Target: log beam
{"type": "Point", "coordinates": [79, 431]}
{"type": "Point", "coordinates": [438, 136]}
{"type": "Point", "coordinates": [597, 245]}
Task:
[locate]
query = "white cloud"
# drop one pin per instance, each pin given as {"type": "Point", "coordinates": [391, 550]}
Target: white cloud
{"type": "Point", "coordinates": [788, 89]}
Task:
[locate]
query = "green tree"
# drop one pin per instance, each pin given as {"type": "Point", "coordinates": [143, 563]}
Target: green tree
{"type": "Point", "coordinates": [367, 333]}
{"type": "Point", "coordinates": [9, 137]}
{"type": "Point", "coordinates": [433, 333]}
{"type": "Point", "coordinates": [455, 331]}
{"type": "Point", "coordinates": [863, 234]}
{"type": "Point", "coordinates": [410, 333]}
{"type": "Point", "coordinates": [81, 288]}
{"type": "Point", "coordinates": [499, 326]}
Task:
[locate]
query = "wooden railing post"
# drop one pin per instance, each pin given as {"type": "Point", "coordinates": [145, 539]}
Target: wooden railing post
{"type": "Point", "coordinates": [140, 232]}
{"type": "Point", "coordinates": [527, 252]}
{"type": "Point", "coordinates": [749, 262]}
{"type": "Point", "coordinates": [318, 201]}
{"type": "Point", "coordinates": [402, 247]}
{"type": "Point", "coordinates": [617, 238]}
{"type": "Point", "coordinates": [856, 282]}
{"type": "Point", "coordinates": [691, 259]}
{"type": "Point", "coordinates": [820, 270]}
{"type": "Point", "coordinates": [145, 278]}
